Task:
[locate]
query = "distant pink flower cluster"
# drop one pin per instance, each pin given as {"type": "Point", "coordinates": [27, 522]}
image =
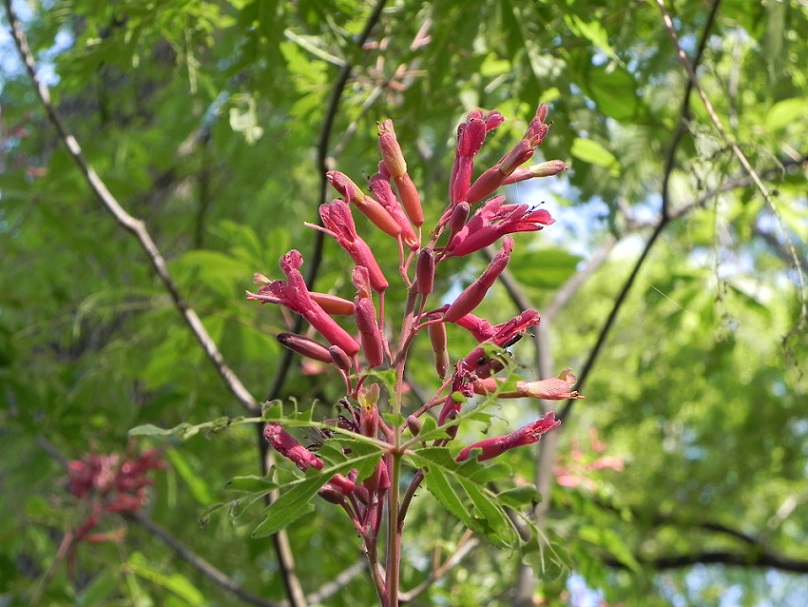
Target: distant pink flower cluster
{"type": "Point", "coordinates": [576, 469]}
{"type": "Point", "coordinates": [110, 484]}
{"type": "Point", "coordinates": [394, 207]}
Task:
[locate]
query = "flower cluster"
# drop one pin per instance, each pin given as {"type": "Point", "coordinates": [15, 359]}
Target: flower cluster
{"type": "Point", "coordinates": [110, 484]}
{"type": "Point", "coordinates": [394, 207]}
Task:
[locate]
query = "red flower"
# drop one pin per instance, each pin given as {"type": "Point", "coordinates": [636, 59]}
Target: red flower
{"type": "Point", "coordinates": [286, 444]}
{"type": "Point", "coordinates": [294, 294]}
{"type": "Point", "coordinates": [492, 221]}
{"type": "Point", "coordinates": [527, 435]}
{"type": "Point", "coordinates": [339, 223]}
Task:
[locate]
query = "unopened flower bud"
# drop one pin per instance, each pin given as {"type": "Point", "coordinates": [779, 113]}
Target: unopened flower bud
{"type": "Point", "coordinates": [379, 185]}
{"type": "Point", "coordinates": [410, 199]}
{"type": "Point", "coordinates": [339, 358]}
{"type": "Point", "coordinates": [425, 272]}
{"type": "Point", "coordinates": [414, 424]}
{"type": "Point", "coordinates": [438, 339]}
{"type": "Point", "coordinates": [305, 346]}
{"type": "Point", "coordinates": [336, 306]}
{"type": "Point", "coordinates": [543, 169]}
{"type": "Point", "coordinates": [369, 207]}
{"type": "Point", "coordinates": [554, 388]}
{"type": "Point", "coordinates": [476, 291]}
{"type": "Point", "coordinates": [285, 444]}
{"type": "Point", "coordinates": [370, 336]}
{"type": "Point", "coordinates": [391, 150]}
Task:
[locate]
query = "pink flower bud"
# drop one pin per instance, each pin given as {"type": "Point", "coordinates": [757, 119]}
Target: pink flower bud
{"type": "Point", "coordinates": [544, 169]}
{"type": "Point", "coordinates": [438, 339]}
{"type": "Point", "coordinates": [370, 336]}
{"type": "Point", "coordinates": [379, 185]}
{"type": "Point", "coordinates": [391, 151]}
{"type": "Point", "coordinates": [410, 199]}
{"type": "Point", "coordinates": [475, 292]}
{"type": "Point", "coordinates": [369, 207]}
{"type": "Point", "coordinates": [285, 444]}
{"type": "Point", "coordinates": [305, 346]}
{"type": "Point", "coordinates": [459, 216]}
{"type": "Point", "coordinates": [425, 272]}
{"type": "Point", "coordinates": [333, 304]}
{"type": "Point", "coordinates": [527, 435]}
{"type": "Point", "coordinates": [339, 358]}
{"type": "Point", "coordinates": [414, 424]}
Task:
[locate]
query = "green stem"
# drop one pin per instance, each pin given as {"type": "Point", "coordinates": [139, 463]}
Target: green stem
{"type": "Point", "coordinates": [393, 535]}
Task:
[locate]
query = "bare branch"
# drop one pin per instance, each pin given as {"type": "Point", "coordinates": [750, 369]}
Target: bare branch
{"type": "Point", "coordinates": [466, 544]}
{"type": "Point", "coordinates": [200, 564]}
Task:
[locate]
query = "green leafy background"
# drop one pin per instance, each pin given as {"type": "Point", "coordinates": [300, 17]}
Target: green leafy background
{"type": "Point", "coordinates": [204, 118]}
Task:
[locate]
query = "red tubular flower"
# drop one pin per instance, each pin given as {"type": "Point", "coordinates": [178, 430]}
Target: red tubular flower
{"type": "Point", "coordinates": [479, 328]}
{"type": "Point", "coordinates": [339, 223]}
{"type": "Point", "coordinates": [543, 169]}
{"type": "Point", "coordinates": [294, 294]}
{"type": "Point", "coordinates": [365, 317]}
{"type": "Point", "coordinates": [332, 304]}
{"type": "Point", "coordinates": [286, 444]}
{"type": "Point", "coordinates": [379, 184]}
{"type": "Point", "coordinates": [555, 388]}
{"type": "Point", "coordinates": [505, 334]}
{"type": "Point", "coordinates": [492, 221]}
{"type": "Point", "coordinates": [475, 292]}
{"type": "Point", "coordinates": [369, 207]}
{"type": "Point", "coordinates": [370, 335]}
{"type": "Point", "coordinates": [494, 177]}
{"type": "Point", "coordinates": [527, 435]}
{"type": "Point", "coordinates": [470, 138]}
{"type": "Point", "coordinates": [394, 162]}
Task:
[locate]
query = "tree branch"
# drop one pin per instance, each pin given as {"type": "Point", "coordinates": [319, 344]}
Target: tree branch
{"type": "Point", "coordinates": [132, 224]}
{"type": "Point", "coordinates": [752, 558]}
{"type": "Point", "coordinates": [200, 564]}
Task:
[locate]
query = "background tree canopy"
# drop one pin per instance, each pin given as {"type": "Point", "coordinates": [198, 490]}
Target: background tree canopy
{"type": "Point", "coordinates": [673, 283]}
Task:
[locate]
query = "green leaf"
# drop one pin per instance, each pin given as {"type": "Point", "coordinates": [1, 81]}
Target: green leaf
{"type": "Point", "coordinates": [295, 498]}
{"type": "Point", "coordinates": [180, 586]}
{"type": "Point", "coordinates": [185, 430]}
{"type": "Point", "coordinates": [783, 113]}
{"type": "Point", "coordinates": [456, 488]}
{"type": "Point", "coordinates": [545, 268]}
{"type": "Point", "coordinates": [519, 497]}
{"type": "Point", "coordinates": [196, 483]}
{"type": "Point", "coordinates": [593, 152]}
{"type": "Point", "coordinates": [609, 540]}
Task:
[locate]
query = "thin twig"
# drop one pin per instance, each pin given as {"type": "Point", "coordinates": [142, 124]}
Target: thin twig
{"type": "Point", "coordinates": [132, 224]}
{"type": "Point", "coordinates": [200, 564]}
{"type": "Point", "coordinates": [466, 544]}
{"type": "Point", "coordinates": [736, 150]}
{"type": "Point", "coordinates": [338, 583]}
